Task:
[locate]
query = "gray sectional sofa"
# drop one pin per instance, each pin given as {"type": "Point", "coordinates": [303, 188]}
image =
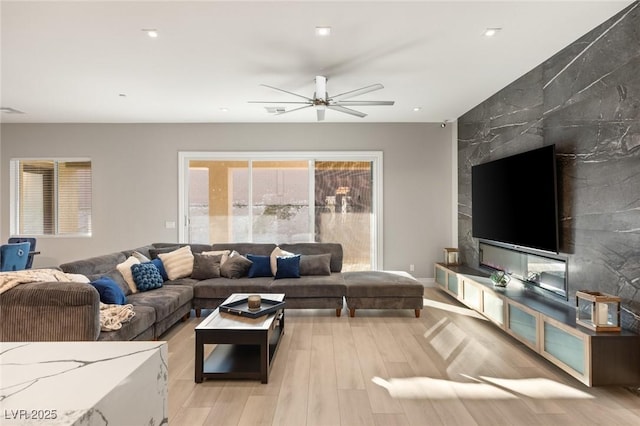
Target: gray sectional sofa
{"type": "Point", "coordinates": [311, 291]}
{"type": "Point", "coordinates": [70, 311]}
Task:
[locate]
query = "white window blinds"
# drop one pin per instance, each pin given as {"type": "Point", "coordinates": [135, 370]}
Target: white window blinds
{"type": "Point", "coordinates": [51, 197]}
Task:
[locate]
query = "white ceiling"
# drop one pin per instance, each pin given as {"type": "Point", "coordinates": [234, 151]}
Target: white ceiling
{"type": "Point", "coordinates": [70, 61]}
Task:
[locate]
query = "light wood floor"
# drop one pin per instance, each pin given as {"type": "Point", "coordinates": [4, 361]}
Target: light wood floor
{"type": "Point", "coordinates": [449, 367]}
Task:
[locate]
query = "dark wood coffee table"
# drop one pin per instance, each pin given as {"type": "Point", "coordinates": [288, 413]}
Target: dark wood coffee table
{"type": "Point", "coordinates": [245, 347]}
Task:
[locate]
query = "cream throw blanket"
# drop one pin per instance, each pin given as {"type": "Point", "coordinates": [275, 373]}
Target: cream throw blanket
{"type": "Point", "coordinates": [9, 280]}
{"type": "Point", "coordinates": [111, 316]}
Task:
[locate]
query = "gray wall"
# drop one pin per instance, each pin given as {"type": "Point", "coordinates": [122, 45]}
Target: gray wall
{"type": "Point", "coordinates": [135, 178]}
{"type": "Point", "coordinates": [586, 101]}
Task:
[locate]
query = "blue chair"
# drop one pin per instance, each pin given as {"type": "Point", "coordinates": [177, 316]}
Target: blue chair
{"type": "Point", "coordinates": [32, 248]}
{"type": "Point", "coordinates": [14, 257]}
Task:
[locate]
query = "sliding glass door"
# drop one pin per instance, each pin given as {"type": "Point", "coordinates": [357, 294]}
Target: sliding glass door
{"type": "Point", "coordinates": [343, 213]}
{"type": "Point", "coordinates": [284, 198]}
{"type": "Point", "coordinates": [217, 208]}
{"type": "Point", "coordinates": [280, 202]}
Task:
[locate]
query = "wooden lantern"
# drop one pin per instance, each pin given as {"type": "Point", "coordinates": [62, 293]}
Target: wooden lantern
{"type": "Point", "coordinates": [451, 256]}
{"type": "Point", "coordinates": [598, 311]}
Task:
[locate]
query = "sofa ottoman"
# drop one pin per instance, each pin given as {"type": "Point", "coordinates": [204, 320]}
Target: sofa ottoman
{"type": "Point", "coordinates": [382, 290]}
{"type": "Point", "coordinates": [316, 292]}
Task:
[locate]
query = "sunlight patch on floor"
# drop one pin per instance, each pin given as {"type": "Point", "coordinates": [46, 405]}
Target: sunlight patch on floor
{"type": "Point", "coordinates": [538, 388]}
{"type": "Point", "coordinates": [451, 308]}
{"type": "Point", "coordinates": [445, 337]}
{"type": "Point", "coordinates": [430, 388]}
{"type": "Point", "coordinates": [480, 388]}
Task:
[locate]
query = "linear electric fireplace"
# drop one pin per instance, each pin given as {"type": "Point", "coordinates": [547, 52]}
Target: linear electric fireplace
{"type": "Point", "coordinates": [546, 272]}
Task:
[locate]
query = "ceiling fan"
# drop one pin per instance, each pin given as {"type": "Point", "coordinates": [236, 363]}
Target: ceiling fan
{"type": "Point", "coordinates": [321, 100]}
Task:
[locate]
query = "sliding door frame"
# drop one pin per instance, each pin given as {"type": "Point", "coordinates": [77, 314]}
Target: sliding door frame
{"type": "Point", "coordinates": [375, 157]}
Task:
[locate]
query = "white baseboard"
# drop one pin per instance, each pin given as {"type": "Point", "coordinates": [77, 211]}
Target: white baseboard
{"type": "Point", "coordinates": [427, 282]}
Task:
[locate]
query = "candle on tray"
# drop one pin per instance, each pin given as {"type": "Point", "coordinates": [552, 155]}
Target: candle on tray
{"type": "Point", "coordinates": [253, 302]}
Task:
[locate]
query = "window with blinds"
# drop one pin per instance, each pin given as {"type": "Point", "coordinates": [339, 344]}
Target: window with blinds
{"type": "Point", "coordinates": [51, 197]}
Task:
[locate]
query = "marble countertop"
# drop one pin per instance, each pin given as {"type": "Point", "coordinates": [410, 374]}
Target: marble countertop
{"type": "Point", "coordinates": [65, 382]}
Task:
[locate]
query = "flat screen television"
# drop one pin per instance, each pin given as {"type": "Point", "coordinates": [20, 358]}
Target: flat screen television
{"type": "Point", "coordinates": [514, 200]}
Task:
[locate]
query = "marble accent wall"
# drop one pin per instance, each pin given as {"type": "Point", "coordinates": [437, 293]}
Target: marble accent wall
{"type": "Point", "coordinates": [586, 101]}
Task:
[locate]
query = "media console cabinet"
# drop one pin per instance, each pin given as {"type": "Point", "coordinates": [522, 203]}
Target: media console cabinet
{"type": "Point", "coordinates": [548, 327]}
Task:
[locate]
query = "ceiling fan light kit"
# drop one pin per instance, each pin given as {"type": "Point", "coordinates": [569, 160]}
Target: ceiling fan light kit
{"type": "Point", "coordinates": [321, 100]}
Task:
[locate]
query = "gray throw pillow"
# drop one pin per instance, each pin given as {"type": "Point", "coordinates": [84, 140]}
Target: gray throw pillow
{"type": "Point", "coordinates": [236, 267]}
{"type": "Point", "coordinates": [205, 266]}
{"type": "Point", "coordinates": [154, 252]}
{"type": "Point", "coordinates": [315, 264]}
{"type": "Point", "coordinates": [141, 257]}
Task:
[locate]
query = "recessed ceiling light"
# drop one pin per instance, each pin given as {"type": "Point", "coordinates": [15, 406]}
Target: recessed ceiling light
{"type": "Point", "coordinates": [490, 32]}
{"type": "Point", "coordinates": [151, 32]}
{"type": "Point", "coordinates": [223, 109]}
{"type": "Point", "coordinates": [323, 31]}
{"type": "Point", "coordinates": [122, 95]}
{"type": "Point", "coordinates": [416, 109]}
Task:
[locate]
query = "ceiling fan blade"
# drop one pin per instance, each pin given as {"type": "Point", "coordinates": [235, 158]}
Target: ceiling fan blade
{"type": "Point", "coordinates": [364, 103]}
{"type": "Point", "coordinates": [286, 91]}
{"type": "Point", "coordinates": [358, 92]}
{"type": "Point", "coordinates": [278, 102]}
{"type": "Point", "coordinates": [295, 109]}
{"type": "Point", "coordinates": [320, 113]}
{"type": "Point", "coordinates": [347, 110]}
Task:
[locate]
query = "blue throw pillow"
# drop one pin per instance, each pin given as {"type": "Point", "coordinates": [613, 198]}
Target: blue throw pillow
{"type": "Point", "coordinates": [110, 292]}
{"type": "Point", "coordinates": [288, 267]}
{"type": "Point", "coordinates": [261, 266]}
{"type": "Point", "coordinates": [146, 276]}
{"type": "Point", "coordinates": [158, 262]}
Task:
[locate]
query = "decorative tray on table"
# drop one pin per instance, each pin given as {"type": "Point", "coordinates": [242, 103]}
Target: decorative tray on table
{"type": "Point", "coordinates": [240, 307]}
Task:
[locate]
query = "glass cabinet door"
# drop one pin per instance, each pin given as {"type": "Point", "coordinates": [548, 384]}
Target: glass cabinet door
{"type": "Point", "coordinates": [441, 276]}
{"type": "Point", "coordinates": [493, 307]}
{"type": "Point", "coordinates": [471, 294]}
{"type": "Point", "coordinates": [523, 325]}
{"type": "Point", "coordinates": [565, 347]}
{"type": "Point", "coordinates": [452, 284]}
